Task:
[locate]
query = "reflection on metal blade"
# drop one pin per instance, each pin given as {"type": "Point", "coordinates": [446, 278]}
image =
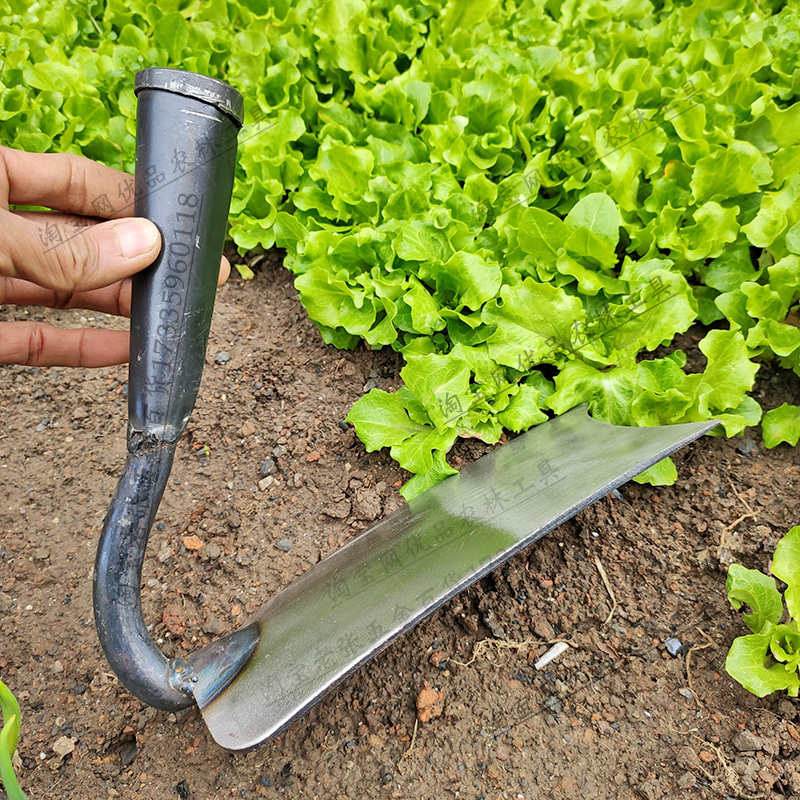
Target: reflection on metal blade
{"type": "Point", "coordinates": [352, 604]}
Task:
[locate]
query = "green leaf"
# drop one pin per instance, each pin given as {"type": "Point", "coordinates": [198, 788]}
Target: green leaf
{"type": "Point", "coordinates": [786, 567]}
{"type": "Point", "coordinates": [730, 171]}
{"type": "Point", "coordinates": [465, 279]}
{"type": "Point", "coordinates": [781, 424]}
{"type": "Point", "coordinates": [757, 590]}
{"type": "Point", "coordinates": [534, 323]}
{"type": "Point", "coordinates": [609, 393]}
{"type": "Point", "coordinates": [171, 33]}
{"type": "Point", "coordinates": [599, 213]}
{"type": "Point", "coordinates": [748, 663]}
{"type": "Point", "coordinates": [542, 235]}
{"type": "Point", "coordinates": [440, 470]}
{"type": "Point", "coordinates": [441, 384]}
{"type": "Point", "coordinates": [381, 420]}
{"type": "Point", "coordinates": [663, 473]}
{"type": "Point", "coordinates": [9, 737]}
{"type": "Point", "coordinates": [729, 372]}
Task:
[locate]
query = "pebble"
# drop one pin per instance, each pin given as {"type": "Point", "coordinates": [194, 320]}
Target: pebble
{"type": "Point", "coordinates": [787, 709]}
{"type": "Point", "coordinates": [213, 625]}
{"type": "Point", "coordinates": [366, 504]}
{"type": "Point", "coordinates": [687, 780]}
{"type": "Point", "coordinates": [369, 385]}
{"type": "Point", "coordinates": [268, 466]}
{"type": "Point", "coordinates": [686, 693]}
{"type": "Point", "coordinates": [554, 704]}
{"type": "Point", "coordinates": [673, 646]}
{"type": "Point", "coordinates": [223, 357]}
{"type": "Point", "coordinates": [542, 628]}
{"type": "Point", "coordinates": [211, 550]}
{"type": "Point", "coordinates": [63, 746]}
{"type": "Point", "coordinates": [747, 447]}
{"type": "Point", "coordinates": [285, 545]}
{"type": "Point", "coordinates": [42, 554]}
{"type": "Point", "coordinates": [745, 741]}
{"type": "Point", "coordinates": [429, 703]}
{"type": "Point", "coordinates": [57, 667]}
{"type": "Point", "coordinates": [193, 542]}
{"type": "Point", "coordinates": [234, 521]}
{"type": "Point", "coordinates": [279, 450]}
{"type": "Point", "coordinates": [164, 554]}
{"type": "Point", "coordinates": [265, 483]}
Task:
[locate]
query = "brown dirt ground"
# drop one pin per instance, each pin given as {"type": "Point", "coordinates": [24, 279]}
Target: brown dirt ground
{"type": "Point", "coordinates": [613, 717]}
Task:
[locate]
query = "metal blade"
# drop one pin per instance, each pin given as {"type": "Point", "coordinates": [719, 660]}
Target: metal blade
{"type": "Point", "coordinates": [309, 637]}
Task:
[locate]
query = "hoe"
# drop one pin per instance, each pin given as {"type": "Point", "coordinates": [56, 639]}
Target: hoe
{"type": "Point", "coordinates": [251, 684]}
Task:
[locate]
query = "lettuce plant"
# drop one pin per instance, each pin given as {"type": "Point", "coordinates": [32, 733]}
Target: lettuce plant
{"type": "Point", "coordinates": [768, 659]}
{"type": "Point", "coordinates": [524, 198]}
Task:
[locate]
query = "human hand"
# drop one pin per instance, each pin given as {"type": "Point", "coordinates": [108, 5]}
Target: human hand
{"type": "Point", "coordinates": [60, 260]}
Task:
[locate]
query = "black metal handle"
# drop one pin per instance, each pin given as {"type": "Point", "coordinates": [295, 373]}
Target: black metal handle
{"type": "Point", "coordinates": [185, 161]}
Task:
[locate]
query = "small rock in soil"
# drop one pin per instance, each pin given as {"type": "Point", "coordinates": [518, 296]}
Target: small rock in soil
{"type": "Point", "coordinates": [745, 741]}
{"type": "Point", "coordinates": [385, 775]}
{"type": "Point", "coordinates": [554, 704]}
{"type": "Point", "coordinates": [490, 621]}
{"type": "Point", "coordinates": [673, 646]}
{"type": "Point", "coordinates": [268, 466]}
{"type": "Point", "coordinates": [57, 667]}
{"type": "Point", "coordinates": [164, 554]}
{"type": "Point", "coordinates": [366, 504]}
{"type": "Point", "coordinates": [747, 447]}
{"type": "Point", "coordinates": [173, 619]}
{"type": "Point", "coordinates": [279, 450]}
{"type": "Point", "coordinates": [285, 545]}
{"type": "Point", "coordinates": [542, 628]}
{"type": "Point", "coordinates": [234, 521]}
{"type": "Point", "coordinates": [128, 754]}
{"type": "Point", "coordinates": [338, 510]}
{"type": "Point", "coordinates": [687, 780]}
{"type": "Point", "coordinates": [787, 710]}
{"type": "Point", "coordinates": [211, 550]}
{"type": "Point", "coordinates": [193, 542]}
{"type": "Point", "coordinates": [63, 746]}
{"type": "Point", "coordinates": [182, 790]}
{"type": "Point", "coordinates": [223, 357]}
{"type": "Point", "coordinates": [429, 703]}
{"type": "Point", "coordinates": [265, 483]}
{"type": "Point", "coordinates": [213, 625]}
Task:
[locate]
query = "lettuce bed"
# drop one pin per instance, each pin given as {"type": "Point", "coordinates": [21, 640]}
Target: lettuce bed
{"type": "Point", "coordinates": [524, 198]}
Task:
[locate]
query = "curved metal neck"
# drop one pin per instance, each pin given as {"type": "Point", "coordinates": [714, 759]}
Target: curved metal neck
{"type": "Point", "coordinates": [140, 665]}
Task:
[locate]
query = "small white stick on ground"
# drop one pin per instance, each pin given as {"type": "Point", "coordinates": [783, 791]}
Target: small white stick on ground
{"type": "Point", "coordinates": [554, 652]}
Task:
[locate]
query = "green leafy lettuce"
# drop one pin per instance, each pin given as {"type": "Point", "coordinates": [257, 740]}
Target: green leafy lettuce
{"type": "Point", "coordinates": [526, 199]}
{"type": "Point", "coordinates": [768, 660]}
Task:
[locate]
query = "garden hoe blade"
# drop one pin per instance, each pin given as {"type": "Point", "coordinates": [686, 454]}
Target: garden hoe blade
{"type": "Point", "coordinates": [252, 684]}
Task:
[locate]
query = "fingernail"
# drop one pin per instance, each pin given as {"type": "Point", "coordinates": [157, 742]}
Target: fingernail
{"type": "Point", "coordinates": [136, 236]}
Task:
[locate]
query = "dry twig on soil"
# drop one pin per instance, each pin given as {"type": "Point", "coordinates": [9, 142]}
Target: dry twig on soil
{"type": "Point", "coordinates": [602, 570]}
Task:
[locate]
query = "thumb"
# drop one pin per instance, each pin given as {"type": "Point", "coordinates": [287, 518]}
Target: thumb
{"type": "Point", "coordinates": [76, 259]}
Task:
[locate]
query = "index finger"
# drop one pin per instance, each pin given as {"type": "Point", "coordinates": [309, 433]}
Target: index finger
{"type": "Point", "coordinates": [65, 182]}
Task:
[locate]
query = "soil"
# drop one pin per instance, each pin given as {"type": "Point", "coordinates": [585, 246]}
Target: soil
{"type": "Point", "coordinates": [614, 716]}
